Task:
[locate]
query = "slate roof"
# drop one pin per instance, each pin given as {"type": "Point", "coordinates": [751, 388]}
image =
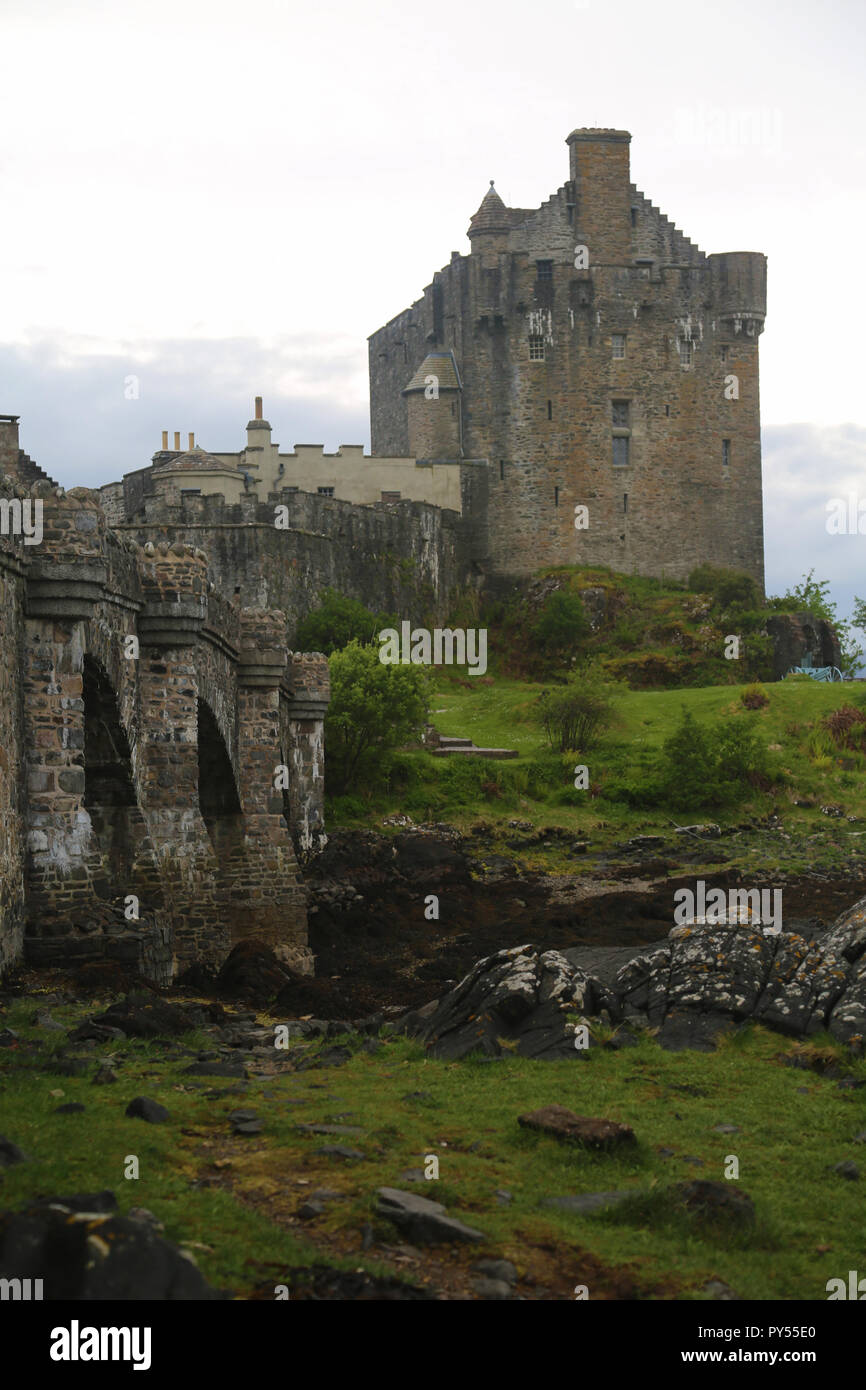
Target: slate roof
{"type": "Point", "coordinates": [442, 365]}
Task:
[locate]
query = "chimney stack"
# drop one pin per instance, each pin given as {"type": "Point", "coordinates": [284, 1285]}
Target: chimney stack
{"type": "Point", "coordinates": [258, 407]}
{"type": "Point", "coordinates": [191, 440]}
{"type": "Point", "coordinates": [177, 441]}
{"type": "Point", "coordinates": [164, 440]}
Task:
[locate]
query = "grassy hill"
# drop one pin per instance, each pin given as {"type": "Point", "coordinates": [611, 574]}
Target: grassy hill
{"type": "Point", "coordinates": [808, 767]}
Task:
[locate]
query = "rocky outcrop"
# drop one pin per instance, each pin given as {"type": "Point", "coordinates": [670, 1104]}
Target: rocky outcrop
{"type": "Point", "coordinates": [802, 636]}
{"type": "Point", "coordinates": [701, 981]}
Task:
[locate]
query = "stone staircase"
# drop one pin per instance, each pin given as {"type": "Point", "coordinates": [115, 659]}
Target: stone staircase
{"type": "Point", "coordinates": [466, 748]}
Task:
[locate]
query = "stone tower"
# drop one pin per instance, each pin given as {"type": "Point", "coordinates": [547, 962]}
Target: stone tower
{"type": "Point", "coordinates": [595, 357]}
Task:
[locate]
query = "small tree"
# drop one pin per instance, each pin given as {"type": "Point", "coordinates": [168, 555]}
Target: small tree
{"type": "Point", "coordinates": [374, 708]}
{"type": "Point", "coordinates": [336, 622]}
{"type": "Point", "coordinates": [578, 712]}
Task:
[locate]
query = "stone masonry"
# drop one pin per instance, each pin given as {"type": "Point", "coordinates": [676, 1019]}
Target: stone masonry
{"type": "Point", "coordinates": [144, 719]}
{"type": "Point", "coordinates": [622, 377]}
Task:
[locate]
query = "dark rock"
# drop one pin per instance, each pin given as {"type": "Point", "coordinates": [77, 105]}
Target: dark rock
{"type": "Point", "coordinates": [330, 1057]}
{"type": "Point", "coordinates": [716, 1203]}
{"type": "Point", "coordinates": [143, 1108]}
{"type": "Point", "coordinates": [719, 1291]}
{"type": "Point", "coordinates": [42, 1019]}
{"type": "Point", "coordinates": [423, 1221]}
{"type": "Point", "coordinates": [497, 1269]}
{"type": "Point", "coordinates": [10, 1153]}
{"type": "Point", "coordinates": [148, 1016]}
{"type": "Point", "coordinates": [847, 1169]}
{"type": "Point", "coordinates": [491, 1289]}
{"type": "Point", "coordinates": [339, 1151]}
{"type": "Point", "coordinates": [89, 1031]}
{"type": "Point", "coordinates": [73, 1107]}
{"type": "Point", "coordinates": [85, 1257]}
{"type": "Point", "coordinates": [561, 1123]}
{"type": "Point", "coordinates": [308, 1211]}
{"type": "Point", "coordinates": [230, 1067]}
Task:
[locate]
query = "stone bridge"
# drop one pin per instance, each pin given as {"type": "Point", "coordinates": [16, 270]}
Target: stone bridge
{"type": "Point", "coordinates": [162, 758]}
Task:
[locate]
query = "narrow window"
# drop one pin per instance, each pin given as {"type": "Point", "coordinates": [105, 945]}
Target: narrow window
{"type": "Point", "coordinates": [556, 497]}
{"type": "Point", "coordinates": [724, 352]}
{"type": "Point", "coordinates": [617, 345]}
{"type": "Point", "coordinates": [685, 352]}
{"type": "Point", "coordinates": [544, 270]}
{"type": "Point", "coordinates": [620, 450]}
{"type": "Point", "coordinates": [550, 410]}
{"type": "Point", "coordinates": [501, 470]}
{"type": "Point", "coordinates": [667, 410]}
{"type": "Point", "coordinates": [726, 452]}
{"type": "Point", "coordinates": [625, 501]}
{"type": "Point", "coordinates": [325, 491]}
{"type": "Point", "coordinates": [536, 349]}
{"type": "Point", "coordinates": [634, 217]}
{"type": "Point", "coordinates": [619, 411]}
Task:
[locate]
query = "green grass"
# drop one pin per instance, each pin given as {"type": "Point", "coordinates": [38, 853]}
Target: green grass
{"type": "Point", "coordinates": [468, 1118]}
{"type": "Point", "coordinates": [538, 785]}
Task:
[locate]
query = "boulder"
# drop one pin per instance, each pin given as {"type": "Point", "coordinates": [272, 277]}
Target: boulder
{"type": "Point", "coordinates": [563, 1124]}
{"type": "Point", "coordinates": [520, 994]}
{"type": "Point", "coordinates": [92, 1255]}
{"type": "Point", "coordinates": [423, 1221]}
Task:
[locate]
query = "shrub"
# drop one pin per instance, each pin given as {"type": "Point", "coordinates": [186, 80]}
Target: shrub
{"type": "Point", "coordinates": [700, 767]}
{"type": "Point", "coordinates": [560, 627]}
{"type": "Point", "coordinates": [338, 621]}
{"type": "Point", "coordinates": [374, 707]}
{"type": "Point", "coordinates": [847, 727]}
{"type": "Point", "coordinates": [755, 696]}
{"type": "Point", "coordinates": [575, 714]}
{"type": "Point", "coordinates": [728, 588]}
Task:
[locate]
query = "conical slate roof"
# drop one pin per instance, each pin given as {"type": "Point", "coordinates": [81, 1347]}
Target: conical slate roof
{"type": "Point", "coordinates": [443, 366]}
{"type": "Point", "coordinates": [492, 216]}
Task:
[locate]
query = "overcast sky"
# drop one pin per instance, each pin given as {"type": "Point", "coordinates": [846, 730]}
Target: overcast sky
{"type": "Point", "coordinates": [224, 200]}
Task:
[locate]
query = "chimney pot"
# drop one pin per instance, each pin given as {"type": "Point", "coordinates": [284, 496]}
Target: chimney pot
{"type": "Point", "coordinates": [191, 439]}
{"type": "Point", "coordinates": [165, 439]}
{"type": "Point", "coordinates": [177, 441]}
{"type": "Point", "coordinates": [258, 407]}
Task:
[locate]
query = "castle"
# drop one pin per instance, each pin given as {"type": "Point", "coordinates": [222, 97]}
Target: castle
{"type": "Point", "coordinates": [584, 355]}
{"type": "Point", "coordinates": [594, 357]}
{"type": "Point", "coordinates": [161, 741]}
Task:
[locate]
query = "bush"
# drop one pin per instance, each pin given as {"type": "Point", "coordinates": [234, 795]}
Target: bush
{"type": "Point", "coordinates": [374, 707]}
{"type": "Point", "coordinates": [755, 696]}
{"type": "Point", "coordinates": [338, 621]}
{"type": "Point", "coordinates": [847, 727]}
{"type": "Point", "coordinates": [728, 588]}
{"type": "Point", "coordinates": [700, 767]}
{"type": "Point", "coordinates": [575, 714]}
{"type": "Point", "coordinates": [561, 626]}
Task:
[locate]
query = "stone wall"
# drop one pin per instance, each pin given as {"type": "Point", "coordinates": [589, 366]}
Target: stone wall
{"type": "Point", "coordinates": [12, 848]}
{"type": "Point", "coordinates": [406, 558]}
